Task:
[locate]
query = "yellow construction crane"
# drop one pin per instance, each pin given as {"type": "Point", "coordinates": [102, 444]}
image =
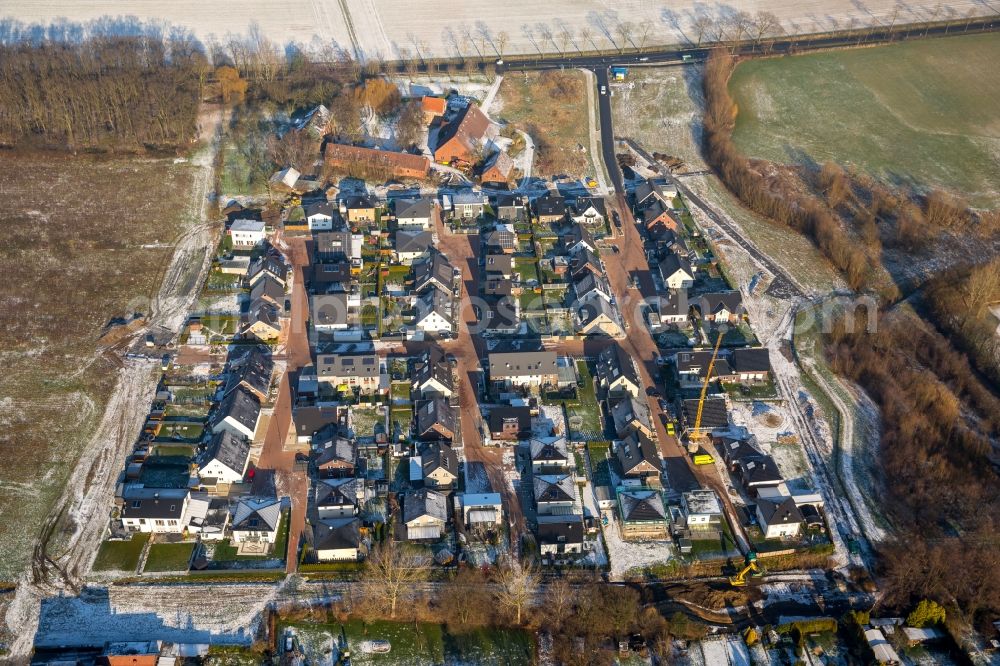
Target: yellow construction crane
{"type": "Point", "coordinates": [750, 568]}
{"type": "Point", "coordinates": [695, 437]}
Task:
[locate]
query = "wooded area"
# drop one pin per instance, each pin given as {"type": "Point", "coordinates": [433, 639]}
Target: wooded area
{"type": "Point", "coordinates": [938, 418]}
{"type": "Point", "coordinates": [102, 94]}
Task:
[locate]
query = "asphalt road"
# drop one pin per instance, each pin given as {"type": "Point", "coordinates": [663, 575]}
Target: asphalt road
{"type": "Point", "coordinates": [695, 53]}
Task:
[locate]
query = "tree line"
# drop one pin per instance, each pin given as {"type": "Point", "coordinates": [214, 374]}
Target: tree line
{"type": "Point", "coordinates": [103, 93]}
{"type": "Point", "coordinates": [939, 421]}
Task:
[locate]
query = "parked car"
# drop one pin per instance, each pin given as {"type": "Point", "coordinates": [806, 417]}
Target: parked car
{"type": "Point", "coordinates": [653, 392]}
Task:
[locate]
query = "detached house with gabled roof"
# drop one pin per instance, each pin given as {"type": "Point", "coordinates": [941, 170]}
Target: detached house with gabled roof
{"type": "Point", "coordinates": [412, 245]}
{"type": "Point", "coordinates": [338, 498]}
{"type": "Point", "coordinates": [226, 459]}
{"type": "Point", "coordinates": [720, 306]}
{"type": "Point", "coordinates": [779, 518]}
{"type": "Point", "coordinates": [269, 264]}
{"type": "Point", "coordinates": [658, 215]}
{"type": "Point", "coordinates": [336, 458]}
{"type": "Point", "coordinates": [498, 169]}
{"type": "Point", "coordinates": [239, 413]}
{"type": "Point", "coordinates": [262, 321]}
{"type": "Point", "coordinates": [676, 272]}
{"type": "Point", "coordinates": [630, 415]}
{"type": "Point", "coordinates": [425, 514]}
{"type": "Point", "coordinates": [758, 473]}
{"type": "Point", "coordinates": [435, 271]}
{"type": "Point", "coordinates": [510, 423]}
{"type": "Point", "coordinates": [596, 317]}
{"type": "Point", "coordinates": [432, 375]}
{"type": "Point", "coordinates": [651, 190]}
{"type": "Point", "coordinates": [591, 211]}
{"type": "Point", "coordinates": [639, 459]}
{"type": "Point", "coordinates": [413, 213]}
{"type": "Point", "coordinates": [435, 419]}
{"type": "Point", "coordinates": [321, 215]}
{"type": "Point", "coordinates": [439, 465]}
{"type": "Point", "coordinates": [434, 312]}
{"type": "Point", "coordinates": [338, 540]}
{"type": "Point", "coordinates": [550, 208]}
{"type": "Point", "coordinates": [616, 372]}
{"type": "Point", "coordinates": [459, 139]}
{"type": "Point", "coordinates": [161, 510]}
{"type": "Point", "coordinates": [268, 289]}
{"type": "Point", "coordinates": [751, 365]}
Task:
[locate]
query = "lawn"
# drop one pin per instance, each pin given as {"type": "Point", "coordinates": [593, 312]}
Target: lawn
{"type": "Point", "coordinates": [917, 113]}
{"type": "Point", "coordinates": [599, 463]}
{"type": "Point", "coordinates": [169, 557]}
{"type": "Point", "coordinates": [558, 124]}
{"type": "Point", "coordinates": [584, 413]}
{"type": "Point", "coordinates": [423, 643]}
{"type": "Point", "coordinates": [120, 555]}
{"type": "Point", "coordinates": [226, 551]}
{"type": "Point", "coordinates": [399, 423]}
{"type": "Point", "coordinates": [527, 268]}
{"type": "Point", "coordinates": [102, 227]}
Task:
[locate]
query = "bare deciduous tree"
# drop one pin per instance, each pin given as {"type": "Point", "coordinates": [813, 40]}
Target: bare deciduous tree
{"type": "Point", "coordinates": [700, 25]}
{"type": "Point", "coordinates": [624, 29]}
{"type": "Point", "coordinates": [516, 585]}
{"type": "Point", "coordinates": [502, 39]}
{"type": "Point", "coordinates": [390, 571]}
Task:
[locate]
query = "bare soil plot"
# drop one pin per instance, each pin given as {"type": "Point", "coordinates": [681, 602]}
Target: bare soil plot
{"type": "Point", "coordinates": [558, 125]}
{"type": "Point", "coordinates": [919, 113]}
{"type": "Point", "coordinates": [85, 240]}
{"type": "Point", "coordinates": [661, 108]}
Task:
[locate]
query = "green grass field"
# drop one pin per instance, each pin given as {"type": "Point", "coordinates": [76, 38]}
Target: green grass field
{"type": "Point", "coordinates": [169, 556]}
{"type": "Point", "coordinates": [921, 113]}
{"type": "Point", "coordinates": [120, 555]}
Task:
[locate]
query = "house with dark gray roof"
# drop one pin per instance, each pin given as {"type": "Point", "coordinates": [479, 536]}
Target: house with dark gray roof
{"type": "Point", "coordinates": [268, 264]}
{"type": "Point", "coordinates": [262, 321]}
{"type": "Point", "coordinates": [162, 510]}
{"type": "Point", "coordinates": [714, 414]}
{"type": "Point", "coordinates": [413, 213]}
{"type": "Point", "coordinates": [631, 415]}
{"type": "Point", "coordinates": [338, 498]}
{"type": "Point", "coordinates": [338, 540]}
{"type": "Point", "coordinates": [268, 289]}
{"type": "Point", "coordinates": [510, 423]}
{"type": "Point", "coordinates": [692, 367]}
{"type": "Point", "coordinates": [251, 371]}
{"type": "Point", "coordinates": [550, 207]}
{"type": "Point", "coordinates": [752, 364]}
{"type": "Point", "coordinates": [724, 306]}
{"type": "Point", "coordinates": [425, 514]}
{"type": "Point", "coordinates": [640, 459]}
{"type": "Point", "coordinates": [643, 513]}
{"type": "Point", "coordinates": [511, 207]}
{"type": "Point", "coordinates": [226, 459]}
{"type": "Point", "coordinates": [322, 215]}
{"type": "Point", "coordinates": [555, 494]}
{"type": "Point", "coordinates": [439, 465]}
{"type": "Point", "coordinates": [616, 372]}
{"type": "Point", "coordinates": [256, 519]}
{"type": "Point", "coordinates": [550, 455]}
{"type": "Point", "coordinates": [757, 473]}
{"type": "Point", "coordinates": [591, 211]}
{"type": "Point", "coordinates": [676, 272]}
{"type": "Point", "coordinates": [336, 457]}
{"type": "Point", "coordinates": [435, 271]}
{"type": "Point", "coordinates": [349, 371]}
{"type": "Point", "coordinates": [436, 419]}
{"type": "Point", "coordinates": [433, 375]}
{"type": "Point", "coordinates": [560, 536]}
{"type": "Point", "coordinates": [533, 369]}
{"type": "Point", "coordinates": [434, 312]}
{"type": "Point", "coordinates": [412, 244]}
{"type": "Point", "coordinates": [239, 413]}
{"type": "Point", "coordinates": [779, 518]}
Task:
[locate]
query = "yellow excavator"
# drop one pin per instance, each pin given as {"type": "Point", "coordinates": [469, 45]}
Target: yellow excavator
{"type": "Point", "coordinates": [750, 569]}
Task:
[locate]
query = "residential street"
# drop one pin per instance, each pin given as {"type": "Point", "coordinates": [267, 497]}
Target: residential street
{"type": "Point", "coordinates": [276, 467]}
{"type": "Point", "coordinates": [463, 251]}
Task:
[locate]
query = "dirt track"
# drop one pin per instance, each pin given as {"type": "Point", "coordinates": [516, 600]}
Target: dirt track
{"type": "Point", "coordinates": [69, 539]}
